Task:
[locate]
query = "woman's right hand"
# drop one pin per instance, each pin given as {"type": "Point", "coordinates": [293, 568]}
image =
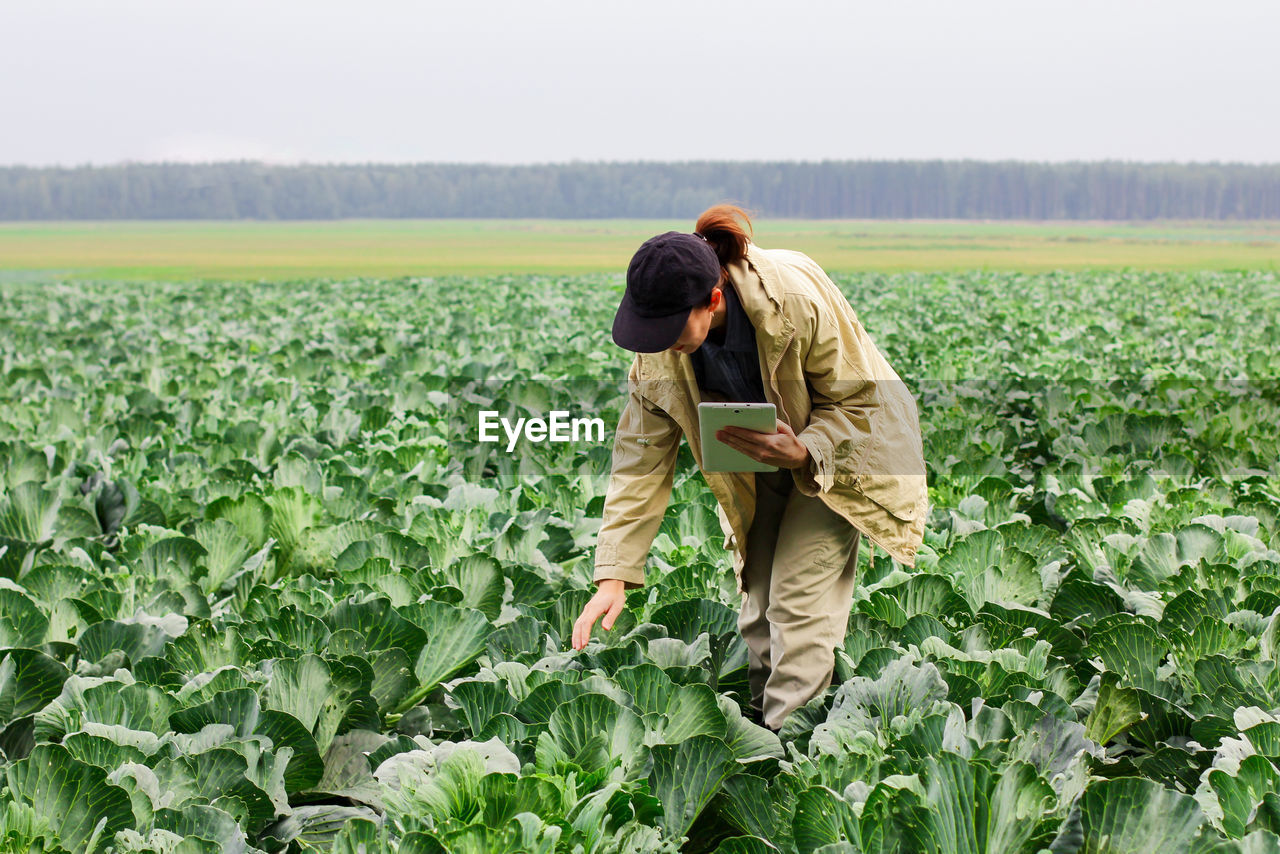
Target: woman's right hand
{"type": "Point", "coordinates": [609, 600]}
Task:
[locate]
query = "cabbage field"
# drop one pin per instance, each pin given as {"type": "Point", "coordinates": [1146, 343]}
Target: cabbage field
{"type": "Point", "coordinates": [259, 591]}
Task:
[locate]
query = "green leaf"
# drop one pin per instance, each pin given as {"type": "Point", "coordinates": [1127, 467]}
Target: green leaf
{"type": "Point", "coordinates": [1241, 793]}
{"type": "Point", "coordinates": [455, 637]}
{"type": "Point", "coordinates": [378, 623]}
{"type": "Point", "coordinates": [1134, 651]}
{"type": "Point", "coordinates": [199, 822]}
{"type": "Point", "coordinates": [179, 553]}
{"type": "Point", "coordinates": [683, 711]}
{"type": "Point", "coordinates": [747, 741]}
{"type": "Point", "coordinates": [393, 679]}
{"type": "Point", "coordinates": [1116, 710]}
{"type": "Point", "coordinates": [21, 464]}
{"type": "Point", "coordinates": [745, 845]}
{"type": "Point", "coordinates": [544, 699]}
{"type": "Point", "coordinates": [239, 709]}
{"type": "Point", "coordinates": [523, 639]}
{"type": "Point", "coordinates": [691, 617]}
{"type": "Point", "coordinates": [931, 595]}
{"type": "Point", "coordinates": [904, 688]}
{"type": "Point", "coordinates": [293, 511]}
{"type": "Point", "coordinates": [312, 691]}
{"type": "Point", "coordinates": [594, 732]}
{"type": "Point", "coordinates": [102, 751]}
{"type": "Point", "coordinates": [249, 513]}
{"type": "Point", "coordinates": [479, 577]}
{"type": "Point", "coordinates": [52, 583]}
{"type": "Point", "coordinates": [29, 513]}
{"type": "Point", "coordinates": [137, 637]}
{"type": "Point", "coordinates": [205, 647]}
{"type": "Point", "coordinates": [346, 768]}
{"type": "Point", "coordinates": [481, 702]}
{"type": "Point", "coordinates": [29, 680]}
{"type": "Point", "coordinates": [361, 836]}
{"type": "Point", "coordinates": [75, 522]}
{"type": "Point", "coordinates": [1156, 561]}
{"type": "Point", "coordinates": [22, 624]}
{"type": "Point", "coordinates": [1197, 543]}
{"type": "Point", "coordinates": [748, 805]}
{"type": "Point", "coordinates": [74, 796]}
{"type": "Point", "coordinates": [1078, 598]}
{"type": "Point", "coordinates": [1131, 815]}
{"type": "Point", "coordinates": [298, 629]}
{"type": "Point", "coordinates": [968, 809]}
{"type": "Point", "coordinates": [686, 776]}
{"type": "Point", "coordinates": [226, 550]}
{"type": "Point", "coordinates": [1052, 746]}
{"type": "Point", "coordinates": [822, 818]}
{"type": "Point", "coordinates": [135, 707]}
{"type": "Point", "coordinates": [220, 773]}
{"type": "Point", "coordinates": [985, 570]}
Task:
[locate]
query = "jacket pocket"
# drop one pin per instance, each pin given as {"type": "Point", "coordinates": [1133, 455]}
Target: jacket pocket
{"type": "Point", "coordinates": [903, 496]}
{"type": "Point", "coordinates": [892, 473]}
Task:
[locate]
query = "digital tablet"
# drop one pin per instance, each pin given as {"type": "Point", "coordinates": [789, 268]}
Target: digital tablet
{"type": "Point", "coordinates": [716, 455]}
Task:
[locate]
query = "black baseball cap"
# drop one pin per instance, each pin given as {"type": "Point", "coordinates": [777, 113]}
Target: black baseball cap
{"type": "Point", "coordinates": [668, 276]}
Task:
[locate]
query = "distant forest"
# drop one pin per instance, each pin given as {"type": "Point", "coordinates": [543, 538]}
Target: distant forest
{"type": "Point", "coordinates": [830, 189]}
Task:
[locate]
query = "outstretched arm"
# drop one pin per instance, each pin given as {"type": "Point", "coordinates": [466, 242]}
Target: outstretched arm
{"type": "Point", "coordinates": [644, 461]}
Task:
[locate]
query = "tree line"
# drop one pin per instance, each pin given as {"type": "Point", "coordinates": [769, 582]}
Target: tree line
{"type": "Point", "coordinates": [934, 189]}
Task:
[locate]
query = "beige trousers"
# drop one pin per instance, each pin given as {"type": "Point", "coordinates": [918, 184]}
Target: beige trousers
{"type": "Point", "coordinates": [800, 566]}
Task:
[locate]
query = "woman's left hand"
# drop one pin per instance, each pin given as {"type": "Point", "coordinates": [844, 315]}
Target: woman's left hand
{"type": "Point", "coordinates": [780, 449]}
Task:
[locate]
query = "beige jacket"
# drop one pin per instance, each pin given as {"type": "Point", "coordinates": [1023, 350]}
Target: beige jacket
{"type": "Point", "coordinates": [830, 385]}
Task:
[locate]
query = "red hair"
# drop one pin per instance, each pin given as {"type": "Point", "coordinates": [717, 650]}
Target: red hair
{"type": "Point", "coordinates": [728, 229]}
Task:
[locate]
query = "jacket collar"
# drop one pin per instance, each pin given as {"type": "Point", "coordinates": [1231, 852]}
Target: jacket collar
{"type": "Point", "coordinates": [739, 334]}
{"type": "Point", "coordinates": [757, 283]}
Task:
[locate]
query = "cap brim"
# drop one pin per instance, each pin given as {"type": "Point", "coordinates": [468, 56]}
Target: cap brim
{"type": "Point", "coordinates": [640, 334]}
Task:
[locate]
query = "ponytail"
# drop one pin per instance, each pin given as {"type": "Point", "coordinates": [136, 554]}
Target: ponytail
{"type": "Point", "coordinates": [721, 227]}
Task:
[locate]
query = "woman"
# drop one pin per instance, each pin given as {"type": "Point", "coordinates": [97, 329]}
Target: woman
{"type": "Point", "coordinates": [712, 316]}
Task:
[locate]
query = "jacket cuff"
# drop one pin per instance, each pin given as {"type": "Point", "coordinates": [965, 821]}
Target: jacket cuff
{"type": "Point", "coordinates": [818, 475]}
{"type": "Point", "coordinates": [607, 567]}
{"type": "Point", "coordinates": [630, 578]}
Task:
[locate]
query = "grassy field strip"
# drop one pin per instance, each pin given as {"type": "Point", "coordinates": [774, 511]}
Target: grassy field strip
{"type": "Point", "coordinates": [280, 250]}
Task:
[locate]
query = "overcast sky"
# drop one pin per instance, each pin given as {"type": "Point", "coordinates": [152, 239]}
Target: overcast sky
{"type": "Point", "coordinates": [518, 81]}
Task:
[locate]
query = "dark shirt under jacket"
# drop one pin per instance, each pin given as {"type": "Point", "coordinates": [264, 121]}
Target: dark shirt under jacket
{"type": "Point", "coordinates": [728, 362]}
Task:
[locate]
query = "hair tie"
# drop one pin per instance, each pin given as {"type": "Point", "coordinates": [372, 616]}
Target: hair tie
{"type": "Point", "coordinates": [703, 236]}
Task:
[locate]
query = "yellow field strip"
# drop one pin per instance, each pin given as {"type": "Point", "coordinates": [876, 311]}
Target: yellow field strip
{"type": "Point", "coordinates": [343, 248]}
